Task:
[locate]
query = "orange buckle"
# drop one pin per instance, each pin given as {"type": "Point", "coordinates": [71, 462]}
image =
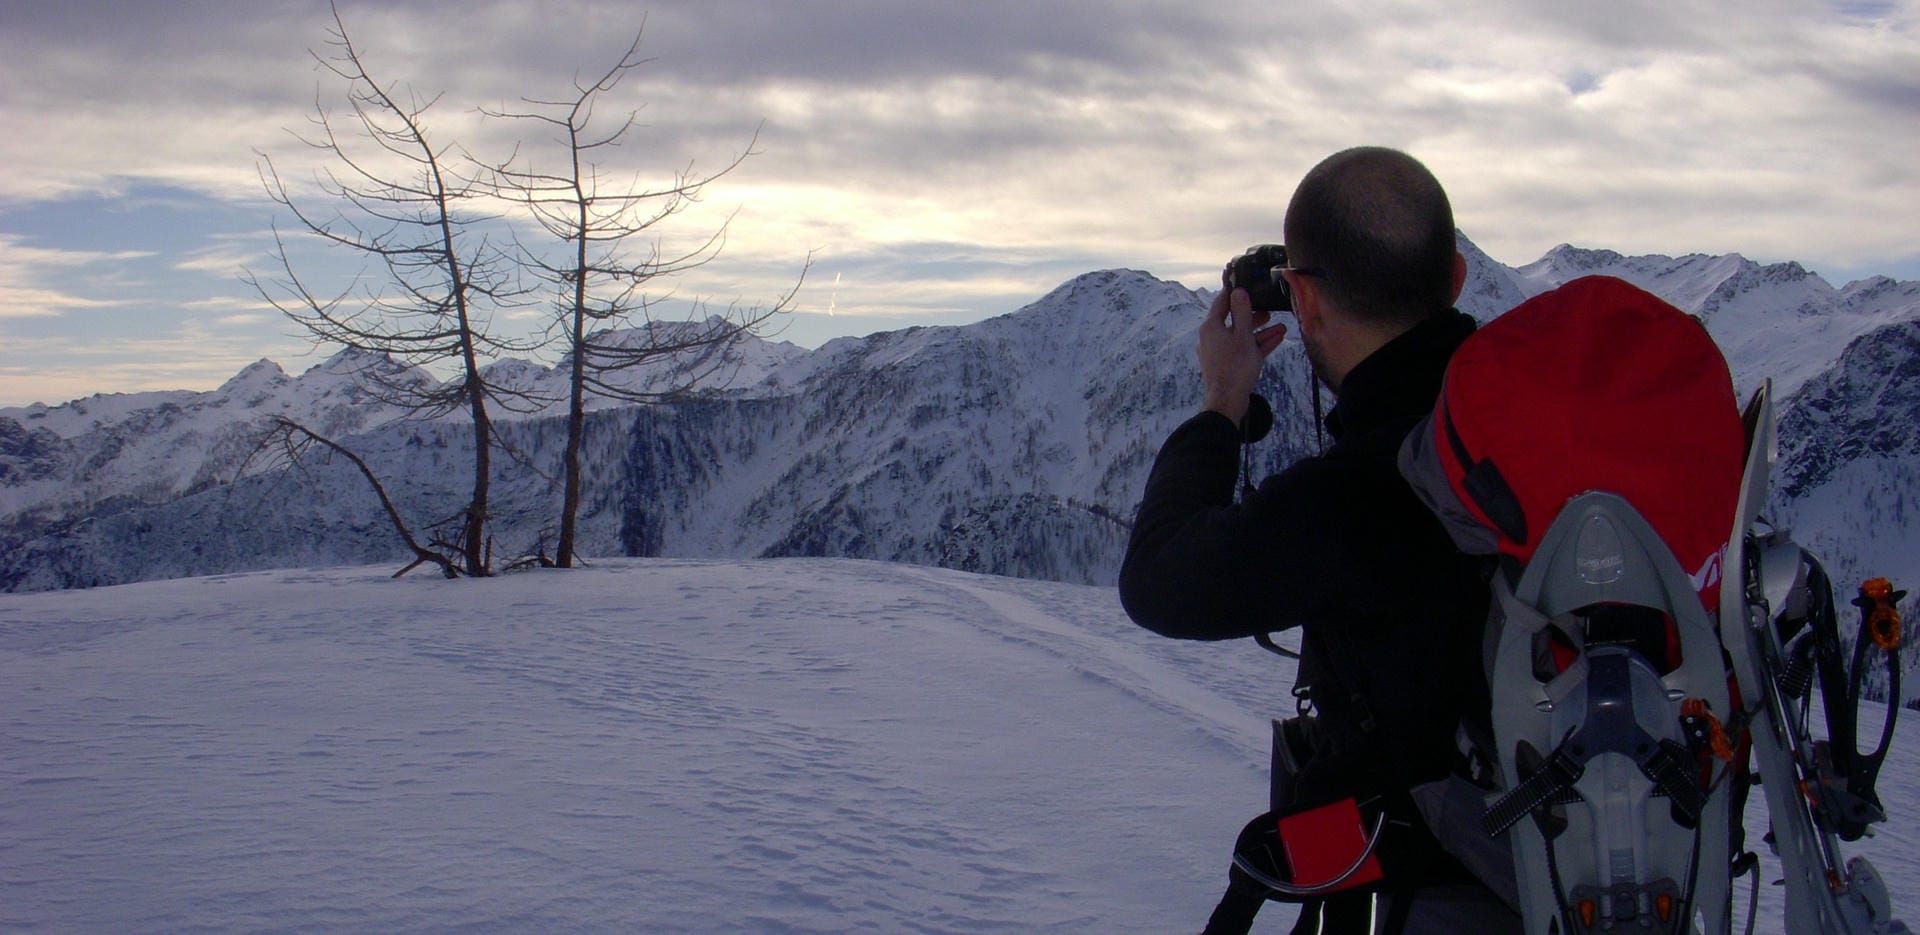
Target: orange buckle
{"type": "Point", "coordinates": [1717, 740]}
{"type": "Point", "coordinates": [1877, 598]}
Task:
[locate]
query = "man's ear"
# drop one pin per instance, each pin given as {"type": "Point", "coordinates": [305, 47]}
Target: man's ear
{"type": "Point", "coordinates": [1306, 301]}
{"type": "Point", "coordinates": [1459, 275]}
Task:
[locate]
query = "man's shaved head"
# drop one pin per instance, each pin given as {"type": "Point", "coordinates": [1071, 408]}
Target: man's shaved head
{"type": "Point", "coordinates": [1380, 225]}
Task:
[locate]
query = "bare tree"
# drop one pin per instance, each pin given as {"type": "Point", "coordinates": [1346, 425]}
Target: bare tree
{"type": "Point", "coordinates": [604, 277]}
{"type": "Point", "coordinates": [291, 444]}
{"type": "Point", "coordinates": [398, 202]}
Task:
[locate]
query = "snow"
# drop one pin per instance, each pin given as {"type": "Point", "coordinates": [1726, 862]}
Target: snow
{"type": "Point", "coordinates": [792, 745]}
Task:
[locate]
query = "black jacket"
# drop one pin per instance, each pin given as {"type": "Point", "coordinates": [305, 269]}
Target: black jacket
{"type": "Point", "coordinates": [1338, 545]}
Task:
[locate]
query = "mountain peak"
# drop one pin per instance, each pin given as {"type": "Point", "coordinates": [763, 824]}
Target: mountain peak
{"type": "Point", "coordinates": [1490, 287]}
{"type": "Point", "coordinates": [1790, 271]}
{"type": "Point", "coordinates": [1774, 278]}
{"type": "Point", "coordinates": [1100, 282]}
{"type": "Point", "coordinates": [1116, 304]}
{"type": "Point", "coordinates": [1570, 256]}
{"type": "Point", "coordinates": [1882, 289]}
{"type": "Point", "coordinates": [259, 375]}
{"type": "Point", "coordinates": [351, 360]}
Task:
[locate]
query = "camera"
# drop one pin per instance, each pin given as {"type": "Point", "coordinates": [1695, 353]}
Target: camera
{"type": "Point", "coordinates": [1257, 272]}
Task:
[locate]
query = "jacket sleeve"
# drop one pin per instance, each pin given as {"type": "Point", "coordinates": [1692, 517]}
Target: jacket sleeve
{"type": "Point", "coordinates": [1198, 566]}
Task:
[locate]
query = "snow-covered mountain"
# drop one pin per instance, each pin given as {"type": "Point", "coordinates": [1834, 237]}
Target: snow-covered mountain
{"type": "Point", "coordinates": [1777, 322]}
{"type": "Point", "coordinates": [1016, 445]}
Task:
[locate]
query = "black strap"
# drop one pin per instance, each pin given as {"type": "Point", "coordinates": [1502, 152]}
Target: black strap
{"type": "Point", "coordinates": [1551, 784]}
{"type": "Point", "coordinates": [1319, 429]}
{"type": "Point", "coordinates": [1399, 911]}
{"type": "Point", "coordinates": [1485, 484]}
{"type": "Point", "coordinates": [1667, 765]}
{"type": "Point", "coordinates": [1670, 766]}
{"type": "Point", "coordinates": [1235, 912]}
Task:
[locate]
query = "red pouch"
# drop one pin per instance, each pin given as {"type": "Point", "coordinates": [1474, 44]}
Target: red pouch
{"type": "Point", "coordinates": [1322, 843]}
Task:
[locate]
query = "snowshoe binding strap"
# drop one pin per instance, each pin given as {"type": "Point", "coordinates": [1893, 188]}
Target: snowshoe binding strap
{"type": "Point", "coordinates": [1609, 727]}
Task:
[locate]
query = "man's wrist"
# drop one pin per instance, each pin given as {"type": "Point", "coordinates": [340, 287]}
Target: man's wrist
{"type": "Point", "coordinates": [1234, 408]}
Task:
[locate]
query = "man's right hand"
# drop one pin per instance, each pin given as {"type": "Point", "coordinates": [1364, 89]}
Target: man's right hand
{"type": "Point", "coordinates": [1233, 347]}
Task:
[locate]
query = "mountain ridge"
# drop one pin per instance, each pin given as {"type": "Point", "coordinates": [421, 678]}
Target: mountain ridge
{"type": "Point", "coordinates": [1015, 445]}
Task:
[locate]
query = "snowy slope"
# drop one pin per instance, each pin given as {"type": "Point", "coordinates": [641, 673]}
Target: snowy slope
{"type": "Point", "coordinates": [643, 746]}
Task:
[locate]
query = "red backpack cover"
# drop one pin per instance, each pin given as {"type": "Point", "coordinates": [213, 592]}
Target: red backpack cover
{"type": "Point", "coordinates": [1595, 385]}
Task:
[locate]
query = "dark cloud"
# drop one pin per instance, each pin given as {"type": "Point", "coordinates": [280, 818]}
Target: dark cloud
{"type": "Point", "coordinates": [1888, 90]}
{"type": "Point", "coordinates": [483, 49]}
{"type": "Point", "coordinates": [166, 53]}
{"type": "Point", "coordinates": [1640, 27]}
{"type": "Point", "coordinates": [880, 42]}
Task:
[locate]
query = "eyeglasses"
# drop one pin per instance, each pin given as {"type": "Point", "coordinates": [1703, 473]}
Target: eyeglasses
{"type": "Point", "coordinates": [1281, 281]}
{"type": "Point", "coordinates": [1302, 270]}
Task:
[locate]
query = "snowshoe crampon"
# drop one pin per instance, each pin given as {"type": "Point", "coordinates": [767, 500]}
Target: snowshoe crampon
{"type": "Point", "coordinates": [1616, 793]}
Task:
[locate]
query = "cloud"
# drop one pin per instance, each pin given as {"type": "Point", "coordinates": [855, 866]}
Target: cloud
{"type": "Point", "coordinates": [16, 302]}
{"type": "Point", "coordinates": [228, 255]}
{"type": "Point", "coordinates": [217, 303]}
{"type": "Point", "coordinates": [25, 291]}
{"type": "Point", "coordinates": [1093, 125]}
{"type": "Point", "coordinates": [1158, 134]}
{"type": "Point", "coordinates": [14, 251]}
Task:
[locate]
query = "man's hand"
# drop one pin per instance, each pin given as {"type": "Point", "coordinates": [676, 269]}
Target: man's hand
{"type": "Point", "coordinates": [1233, 347]}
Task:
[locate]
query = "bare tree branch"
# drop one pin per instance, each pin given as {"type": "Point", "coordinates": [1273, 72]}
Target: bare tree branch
{"type": "Point", "coordinates": [292, 443]}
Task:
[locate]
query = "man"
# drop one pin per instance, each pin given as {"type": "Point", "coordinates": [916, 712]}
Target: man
{"type": "Point", "coordinates": [1337, 544]}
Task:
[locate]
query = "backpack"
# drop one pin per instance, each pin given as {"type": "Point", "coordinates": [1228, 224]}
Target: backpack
{"type": "Point", "coordinates": [1590, 441]}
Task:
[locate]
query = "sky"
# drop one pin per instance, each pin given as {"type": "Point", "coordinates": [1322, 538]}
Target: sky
{"type": "Point", "coordinates": [930, 163]}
